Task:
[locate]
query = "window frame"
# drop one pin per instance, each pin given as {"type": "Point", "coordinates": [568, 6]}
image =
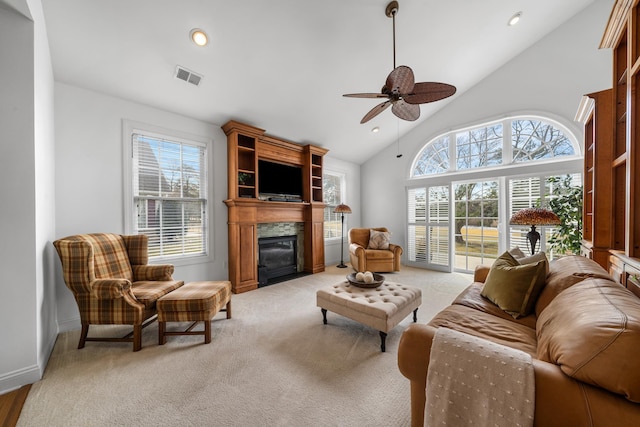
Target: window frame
{"type": "Point", "coordinates": [343, 187]}
{"type": "Point", "coordinates": [555, 166]}
{"type": "Point", "coordinates": [507, 147]}
{"type": "Point", "coordinates": [130, 128]}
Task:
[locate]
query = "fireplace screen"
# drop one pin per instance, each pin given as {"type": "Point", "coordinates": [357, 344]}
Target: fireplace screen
{"type": "Point", "coordinates": [276, 257]}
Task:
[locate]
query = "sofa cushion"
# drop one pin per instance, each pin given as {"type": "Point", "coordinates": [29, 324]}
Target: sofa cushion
{"type": "Point", "coordinates": [514, 287]}
{"type": "Point", "coordinates": [564, 273]}
{"type": "Point", "coordinates": [148, 292]}
{"type": "Point", "coordinates": [379, 239]}
{"type": "Point", "coordinates": [378, 255]}
{"type": "Point", "coordinates": [487, 326]}
{"type": "Point", "coordinates": [471, 298]}
{"type": "Point", "coordinates": [592, 331]}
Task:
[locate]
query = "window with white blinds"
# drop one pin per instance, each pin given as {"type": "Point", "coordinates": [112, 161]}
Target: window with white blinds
{"type": "Point", "coordinates": [333, 187]}
{"type": "Point", "coordinates": [169, 188]}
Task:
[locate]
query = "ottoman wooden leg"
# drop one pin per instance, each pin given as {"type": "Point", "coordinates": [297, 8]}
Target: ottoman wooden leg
{"type": "Point", "coordinates": [228, 310]}
{"type": "Point", "coordinates": [162, 338]}
{"type": "Point", "coordinates": [207, 332]}
{"type": "Point", "coordinates": [415, 315]}
{"type": "Point", "coordinates": [324, 315]}
{"type": "Point", "coordinates": [383, 340]}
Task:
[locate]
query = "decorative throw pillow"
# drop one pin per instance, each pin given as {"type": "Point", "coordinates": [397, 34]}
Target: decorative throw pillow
{"type": "Point", "coordinates": [517, 252]}
{"type": "Point", "coordinates": [379, 239]}
{"type": "Point", "coordinates": [514, 287]}
{"type": "Point", "coordinates": [540, 256]}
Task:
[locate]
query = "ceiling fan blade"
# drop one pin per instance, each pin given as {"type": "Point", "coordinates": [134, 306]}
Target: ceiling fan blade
{"type": "Point", "coordinates": [375, 111]}
{"type": "Point", "coordinates": [409, 112]}
{"type": "Point", "coordinates": [400, 80]}
{"type": "Point", "coordinates": [366, 95]}
{"type": "Point", "coordinates": [425, 92]}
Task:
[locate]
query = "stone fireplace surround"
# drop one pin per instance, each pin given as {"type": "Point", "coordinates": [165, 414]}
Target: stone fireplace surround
{"type": "Point", "coordinates": [278, 229]}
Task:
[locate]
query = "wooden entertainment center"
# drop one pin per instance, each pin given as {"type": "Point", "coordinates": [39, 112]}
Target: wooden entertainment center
{"type": "Point", "coordinates": [246, 146]}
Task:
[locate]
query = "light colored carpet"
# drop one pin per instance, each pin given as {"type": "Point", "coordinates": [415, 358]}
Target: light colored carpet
{"type": "Point", "coordinates": [273, 364]}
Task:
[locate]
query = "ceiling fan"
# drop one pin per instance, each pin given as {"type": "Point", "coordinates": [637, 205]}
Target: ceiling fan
{"type": "Point", "coordinates": [400, 89]}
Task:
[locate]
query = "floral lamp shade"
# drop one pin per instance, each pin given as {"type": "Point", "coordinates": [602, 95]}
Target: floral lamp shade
{"type": "Point", "coordinates": [534, 217]}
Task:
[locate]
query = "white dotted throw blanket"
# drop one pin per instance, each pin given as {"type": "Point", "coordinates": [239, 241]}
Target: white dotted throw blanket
{"type": "Point", "coordinates": [475, 382]}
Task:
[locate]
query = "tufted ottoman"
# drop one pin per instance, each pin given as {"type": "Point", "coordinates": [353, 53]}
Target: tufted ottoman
{"type": "Point", "coordinates": [381, 308]}
{"type": "Point", "coordinates": [193, 302]}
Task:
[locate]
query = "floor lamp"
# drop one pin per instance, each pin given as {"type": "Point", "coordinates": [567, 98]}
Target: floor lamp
{"type": "Point", "coordinates": [342, 209]}
{"type": "Point", "coordinates": [533, 217]}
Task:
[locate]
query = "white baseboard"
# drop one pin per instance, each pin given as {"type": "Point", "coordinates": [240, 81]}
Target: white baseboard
{"type": "Point", "coordinates": [71, 324]}
{"type": "Point", "coordinates": [16, 379]}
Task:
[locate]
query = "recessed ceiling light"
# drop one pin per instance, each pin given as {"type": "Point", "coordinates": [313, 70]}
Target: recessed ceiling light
{"type": "Point", "coordinates": [375, 129]}
{"type": "Point", "coordinates": [199, 37]}
{"type": "Point", "coordinates": [514, 19]}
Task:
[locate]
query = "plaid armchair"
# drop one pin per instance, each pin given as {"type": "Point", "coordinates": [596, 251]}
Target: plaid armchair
{"type": "Point", "coordinates": [112, 283]}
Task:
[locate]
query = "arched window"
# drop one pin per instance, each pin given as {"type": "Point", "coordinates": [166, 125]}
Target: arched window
{"type": "Point", "coordinates": [465, 185]}
{"type": "Point", "coordinates": [513, 140]}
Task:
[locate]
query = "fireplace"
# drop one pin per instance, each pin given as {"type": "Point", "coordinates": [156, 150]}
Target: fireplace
{"type": "Point", "coordinates": [277, 257]}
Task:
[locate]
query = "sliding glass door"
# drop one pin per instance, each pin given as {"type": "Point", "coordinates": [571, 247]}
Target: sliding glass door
{"type": "Point", "coordinates": [475, 224]}
{"type": "Point", "coordinates": [429, 227]}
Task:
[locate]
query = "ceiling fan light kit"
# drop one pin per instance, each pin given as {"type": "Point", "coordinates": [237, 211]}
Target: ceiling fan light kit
{"type": "Point", "coordinates": [401, 91]}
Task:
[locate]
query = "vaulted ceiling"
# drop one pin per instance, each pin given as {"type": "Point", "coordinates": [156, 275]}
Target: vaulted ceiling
{"type": "Point", "coordinates": [283, 65]}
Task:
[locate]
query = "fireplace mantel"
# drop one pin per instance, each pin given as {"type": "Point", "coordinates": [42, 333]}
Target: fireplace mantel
{"type": "Point", "coordinates": [245, 146]}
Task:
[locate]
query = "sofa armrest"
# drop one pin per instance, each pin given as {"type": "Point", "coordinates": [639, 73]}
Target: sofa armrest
{"type": "Point", "coordinates": [414, 351]}
{"type": "Point", "coordinates": [396, 249]}
{"type": "Point", "coordinates": [480, 274]}
{"type": "Point", "coordinates": [154, 272]}
{"type": "Point", "coordinates": [560, 400]}
{"type": "Point", "coordinates": [105, 289]}
{"type": "Point", "coordinates": [356, 249]}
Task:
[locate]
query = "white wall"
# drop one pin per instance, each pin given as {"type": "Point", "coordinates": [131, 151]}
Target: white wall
{"type": "Point", "coordinates": [89, 177]}
{"type": "Point", "coordinates": [550, 77]}
{"type": "Point", "coordinates": [27, 310]}
{"type": "Point", "coordinates": [352, 199]}
{"type": "Point", "coordinates": [44, 156]}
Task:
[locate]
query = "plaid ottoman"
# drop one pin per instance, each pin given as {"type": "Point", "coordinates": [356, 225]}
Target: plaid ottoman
{"type": "Point", "coordinates": [193, 302]}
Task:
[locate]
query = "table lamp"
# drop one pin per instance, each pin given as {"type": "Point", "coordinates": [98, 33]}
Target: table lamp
{"type": "Point", "coordinates": [342, 209]}
{"type": "Point", "coordinates": [534, 217]}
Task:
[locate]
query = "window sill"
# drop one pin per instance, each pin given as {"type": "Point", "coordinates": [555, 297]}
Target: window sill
{"type": "Point", "coordinates": [182, 260]}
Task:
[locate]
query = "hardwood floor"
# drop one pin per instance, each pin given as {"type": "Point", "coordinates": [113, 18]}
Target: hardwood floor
{"type": "Point", "coordinates": [11, 404]}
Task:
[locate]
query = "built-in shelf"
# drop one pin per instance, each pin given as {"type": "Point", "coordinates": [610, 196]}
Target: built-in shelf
{"type": "Point", "coordinates": [246, 146]}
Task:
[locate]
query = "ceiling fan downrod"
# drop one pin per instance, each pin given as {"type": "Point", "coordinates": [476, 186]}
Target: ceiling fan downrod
{"type": "Point", "coordinates": [390, 11]}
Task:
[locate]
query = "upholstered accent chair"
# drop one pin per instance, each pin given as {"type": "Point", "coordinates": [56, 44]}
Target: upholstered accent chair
{"type": "Point", "coordinates": [113, 283]}
{"type": "Point", "coordinates": [370, 250]}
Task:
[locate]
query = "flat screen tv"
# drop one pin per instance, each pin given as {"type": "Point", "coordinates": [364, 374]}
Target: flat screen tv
{"type": "Point", "coordinates": [279, 180]}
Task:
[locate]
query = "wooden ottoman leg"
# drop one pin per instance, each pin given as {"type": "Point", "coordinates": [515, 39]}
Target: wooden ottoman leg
{"type": "Point", "coordinates": [324, 315]}
{"type": "Point", "coordinates": [383, 340]}
{"type": "Point", "coordinates": [415, 315]}
{"type": "Point", "coordinates": [162, 338]}
{"type": "Point", "coordinates": [228, 310]}
{"type": "Point", "coordinates": [207, 332]}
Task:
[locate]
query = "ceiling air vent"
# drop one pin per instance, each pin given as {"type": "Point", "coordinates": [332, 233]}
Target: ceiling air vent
{"type": "Point", "coordinates": [188, 76]}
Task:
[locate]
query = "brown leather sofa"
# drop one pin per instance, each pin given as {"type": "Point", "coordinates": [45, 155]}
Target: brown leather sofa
{"type": "Point", "coordinates": [584, 339]}
{"type": "Point", "coordinates": [364, 258]}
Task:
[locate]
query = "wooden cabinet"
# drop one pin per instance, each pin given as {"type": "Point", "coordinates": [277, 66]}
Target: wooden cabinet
{"type": "Point", "coordinates": [622, 35]}
{"type": "Point", "coordinates": [246, 147]}
{"type": "Point", "coordinates": [596, 112]}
